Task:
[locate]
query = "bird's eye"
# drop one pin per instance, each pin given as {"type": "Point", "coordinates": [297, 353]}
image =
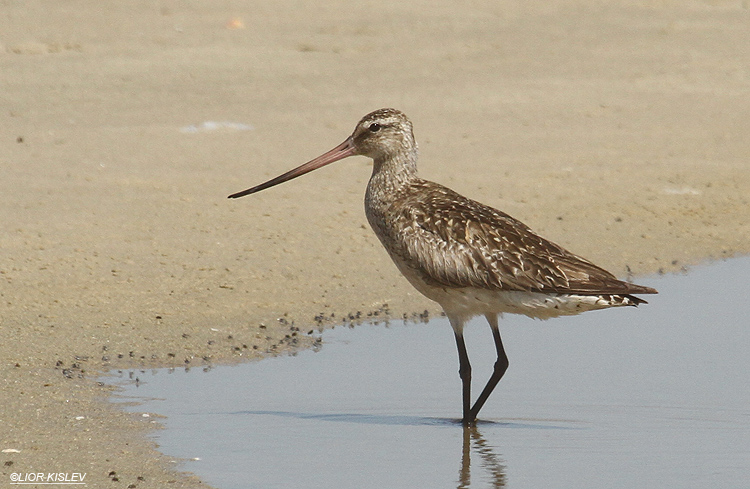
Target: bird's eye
{"type": "Point", "coordinates": [374, 127]}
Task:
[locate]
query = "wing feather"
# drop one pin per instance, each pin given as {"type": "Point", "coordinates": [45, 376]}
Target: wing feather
{"type": "Point", "coordinates": [459, 242]}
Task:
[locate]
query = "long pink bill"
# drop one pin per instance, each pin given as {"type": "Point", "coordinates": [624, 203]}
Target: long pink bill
{"type": "Point", "coordinates": [341, 151]}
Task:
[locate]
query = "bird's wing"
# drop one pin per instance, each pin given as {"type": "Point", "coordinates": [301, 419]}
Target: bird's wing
{"type": "Point", "coordinates": [458, 242]}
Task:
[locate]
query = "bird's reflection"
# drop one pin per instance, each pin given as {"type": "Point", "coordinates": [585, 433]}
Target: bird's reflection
{"type": "Point", "coordinates": [474, 442]}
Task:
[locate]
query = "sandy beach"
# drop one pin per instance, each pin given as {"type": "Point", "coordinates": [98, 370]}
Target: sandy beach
{"type": "Point", "coordinates": [616, 129]}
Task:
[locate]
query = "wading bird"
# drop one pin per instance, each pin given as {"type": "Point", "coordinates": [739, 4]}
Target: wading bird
{"type": "Point", "coordinates": [468, 257]}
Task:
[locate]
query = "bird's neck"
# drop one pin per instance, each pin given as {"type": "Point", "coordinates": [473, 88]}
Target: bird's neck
{"type": "Point", "coordinates": [391, 173]}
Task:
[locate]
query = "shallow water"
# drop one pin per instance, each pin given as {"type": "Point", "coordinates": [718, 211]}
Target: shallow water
{"type": "Point", "coordinates": [653, 397]}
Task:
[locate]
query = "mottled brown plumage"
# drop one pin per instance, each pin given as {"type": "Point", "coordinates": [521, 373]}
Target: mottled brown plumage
{"type": "Point", "coordinates": [470, 258]}
{"type": "Point", "coordinates": [458, 242]}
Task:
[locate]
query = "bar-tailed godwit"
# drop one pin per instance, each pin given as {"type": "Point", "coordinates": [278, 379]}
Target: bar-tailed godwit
{"type": "Point", "coordinates": [468, 257]}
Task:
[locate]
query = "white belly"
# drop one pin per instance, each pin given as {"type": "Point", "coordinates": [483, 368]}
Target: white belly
{"type": "Point", "coordinates": [472, 302]}
{"type": "Point", "coordinates": [468, 302]}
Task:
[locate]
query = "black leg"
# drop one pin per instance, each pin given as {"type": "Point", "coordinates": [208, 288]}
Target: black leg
{"type": "Point", "coordinates": [464, 371]}
{"type": "Point", "coordinates": [501, 365]}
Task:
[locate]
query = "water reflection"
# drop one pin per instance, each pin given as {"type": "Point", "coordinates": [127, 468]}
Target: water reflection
{"type": "Point", "coordinates": [489, 460]}
{"type": "Point", "coordinates": [486, 459]}
{"type": "Point", "coordinates": [650, 397]}
{"type": "Point", "coordinates": [490, 463]}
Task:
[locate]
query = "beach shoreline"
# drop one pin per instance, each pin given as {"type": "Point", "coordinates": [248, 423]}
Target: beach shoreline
{"type": "Point", "coordinates": [618, 132]}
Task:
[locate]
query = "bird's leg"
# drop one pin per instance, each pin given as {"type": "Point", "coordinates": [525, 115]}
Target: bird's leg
{"type": "Point", "coordinates": [464, 371]}
{"type": "Point", "coordinates": [501, 365]}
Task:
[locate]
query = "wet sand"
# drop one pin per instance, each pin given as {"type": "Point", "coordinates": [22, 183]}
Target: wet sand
{"type": "Point", "coordinates": [617, 131]}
